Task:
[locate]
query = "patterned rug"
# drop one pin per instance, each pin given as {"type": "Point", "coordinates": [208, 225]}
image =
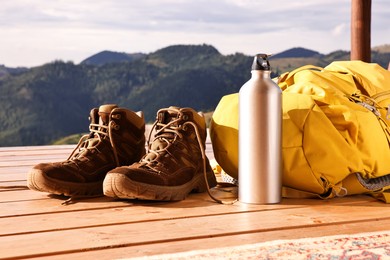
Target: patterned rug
{"type": "Point", "coordinates": [361, 246]}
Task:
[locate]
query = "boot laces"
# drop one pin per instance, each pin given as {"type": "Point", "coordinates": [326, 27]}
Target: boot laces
{"type": "Point", "coordinates": [165, 135]}
{"type": "Point", "coordinates": [98, 132]}
{"type": "Point", "coordinates": [89, 142]}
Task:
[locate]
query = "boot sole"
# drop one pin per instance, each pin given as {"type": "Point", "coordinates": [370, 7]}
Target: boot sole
{"type": "Point", "coordinates": [119, 186]}
{"type": "Point", "coordinates": [39, 181]}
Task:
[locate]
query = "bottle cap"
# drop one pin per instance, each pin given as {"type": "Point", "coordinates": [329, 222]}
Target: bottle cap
{"type": "Point", "coordinates": [260, 62]}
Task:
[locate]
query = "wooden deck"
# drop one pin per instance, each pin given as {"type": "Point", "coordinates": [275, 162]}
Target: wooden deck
{"type": "Point", "coordinates": [37, 225]}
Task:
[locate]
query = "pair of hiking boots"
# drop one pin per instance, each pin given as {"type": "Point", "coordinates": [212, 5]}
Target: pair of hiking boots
{"type": "Point", "coordinates": [112, 159]}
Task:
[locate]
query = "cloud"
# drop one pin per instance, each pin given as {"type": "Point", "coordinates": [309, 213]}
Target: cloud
{"type": "Point", "coordinates": [339, 29]}
{"type": "Point", "coordinates": [34, 32]}
{"type": "Point", "coordinates": [175, 15]}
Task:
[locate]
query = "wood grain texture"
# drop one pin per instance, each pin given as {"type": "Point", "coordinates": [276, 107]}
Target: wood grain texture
{"type": "Point", "coordinates": [36, 224]}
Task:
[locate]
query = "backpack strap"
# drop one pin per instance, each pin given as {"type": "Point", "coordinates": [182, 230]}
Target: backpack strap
{"type": "Point", "coordinates": [287, 77]}
{"type": "Point", "coordinates": [379, 187]}
{"type": "Point", "coordinates": [375, 108]}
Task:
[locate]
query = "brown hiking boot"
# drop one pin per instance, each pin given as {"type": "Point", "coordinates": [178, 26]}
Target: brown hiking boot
{"type": "Point", "coordinates": [175, 164]}
{"type": "Point", "coordinates": [116, 138]}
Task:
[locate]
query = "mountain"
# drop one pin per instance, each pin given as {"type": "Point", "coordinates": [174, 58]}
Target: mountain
{"type": "Point", "coordinates": [5, 71]}
{"type": "Point", "coordinates": [51, 101]}
{"type": "Point", "coordinates": [385, 48]}
{"type": "Point", "coordinates": [45, 103]}
{"type": "Point", "coordinates": [181, 75]}
{"type": "Point", "coordinates": [297, 53]}
{"type": "Point", "coordinates": [105, 57]}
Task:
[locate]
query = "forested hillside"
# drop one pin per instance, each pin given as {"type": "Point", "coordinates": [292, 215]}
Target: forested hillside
{"type": "Point", "coordinates": [42, 104]}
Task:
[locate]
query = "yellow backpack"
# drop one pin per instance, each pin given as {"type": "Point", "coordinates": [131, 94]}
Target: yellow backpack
{"type": "Point", "coordinates": [335, 131]}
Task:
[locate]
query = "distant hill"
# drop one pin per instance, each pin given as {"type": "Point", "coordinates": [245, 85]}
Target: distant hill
{"type": "Point", "coordinates": [105, 57]}
{"type": "Point", "coordinates": [382, 48]}
{"type": "Point", "coordinates": [4, 71]}
{"type": "Point", "coordinates": [51, 101]}
{"type": "Point", "coordinates": [297, 53]}
{"type": "Point", "coordinates": [46, 103]}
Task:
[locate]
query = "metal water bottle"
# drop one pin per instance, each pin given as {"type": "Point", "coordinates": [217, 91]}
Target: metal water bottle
{"type": "Point", "coordinates": [260, 136]}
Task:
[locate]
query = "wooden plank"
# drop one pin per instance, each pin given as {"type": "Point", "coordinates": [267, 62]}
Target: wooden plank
{"type": "Point", "coordinates": [120, 213]}
{"type": "Point", "coordinates": [37, 148]}
{"type": "Point", "coordinates": [47, 214]}
{"type": "Point", "coordinates": [17, 169]}
{"type": "Point", "coordinates": [12, 183]}
{"type": "Point", "coordinates": [33, 151]}
{"type": "Point", "coordinates": [46, 204]}
{"type": "Point", "coordinates": [17, 158]}
{"type": "Point", "coordinates": [46, 149]}
{"type": "Point", "coordinates": [99, 227]}
{"type": "Point", "coordinates": [9, 195]}
{"type": "Point", "coordinates": [27, 202]}
{"type": "Point", "coordinates": [34, 155]}
{"type": "Point", "coordinates": [12, 188]}
{"type": "Point", "coordinates": [131, 211]}
{"type": "Point", "coordinates": [7, 186]}
{"type": "Point", "coordinates": [32, 203]}
{"type": "Point", "coordinates": [4, 165]}
{"type": "Point", "coordinates": [129, 234]}
{"type": "Point", "coordinates": [15, 175]}
{"type": "Point", "coordinates": [168, 247]}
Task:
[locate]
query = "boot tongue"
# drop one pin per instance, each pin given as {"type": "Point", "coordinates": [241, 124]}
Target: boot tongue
{"type": "Point", "coordinates": [160, 143]}
{"type": "Point", "coordinates": [168, 115]}
{"type": "Point", "coordinates": [104, 113]}
{"type": "Point", "coordinates": [104, 118]}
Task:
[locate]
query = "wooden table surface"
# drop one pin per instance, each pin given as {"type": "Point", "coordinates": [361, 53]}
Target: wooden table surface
{"type": "Point", "coordinates": [37, 225]}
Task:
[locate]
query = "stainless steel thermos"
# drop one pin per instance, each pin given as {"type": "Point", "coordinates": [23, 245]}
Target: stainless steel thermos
{"type": "Point", "coordinates": [260, 136]}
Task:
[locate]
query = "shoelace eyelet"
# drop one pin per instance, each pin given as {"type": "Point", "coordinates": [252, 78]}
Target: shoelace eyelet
{"type": "Point", "coordinates": [116, 116]}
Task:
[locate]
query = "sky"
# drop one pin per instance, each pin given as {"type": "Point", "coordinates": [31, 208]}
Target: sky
{"type": "Point", "coordinates": [35, 32]}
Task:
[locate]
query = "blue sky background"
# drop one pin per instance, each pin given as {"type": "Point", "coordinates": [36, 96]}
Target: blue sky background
{"type": "Point", "coordinates": [34, 32]}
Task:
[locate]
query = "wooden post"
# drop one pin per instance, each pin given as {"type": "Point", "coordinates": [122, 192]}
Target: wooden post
{"type": "Point", "coordinates": [361, 30]}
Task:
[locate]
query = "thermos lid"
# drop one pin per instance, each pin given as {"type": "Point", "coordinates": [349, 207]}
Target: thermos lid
{"type": "Point", "coordinates": [260, 62]}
